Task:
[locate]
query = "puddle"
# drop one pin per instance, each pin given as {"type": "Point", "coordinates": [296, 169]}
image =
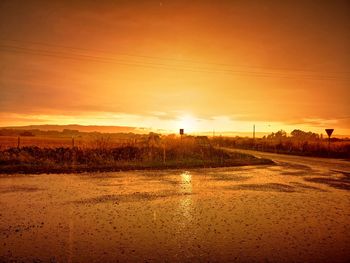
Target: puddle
{"type": "Point", "coordinates": [247, 214]}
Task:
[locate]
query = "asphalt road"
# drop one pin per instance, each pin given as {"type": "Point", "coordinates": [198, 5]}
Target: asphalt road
{"type": "Point", "coordinates": [311, 162]}
{"type": "Point", "coordinates": [295, 211]}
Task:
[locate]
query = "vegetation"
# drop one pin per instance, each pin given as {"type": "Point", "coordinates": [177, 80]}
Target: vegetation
{"type": "Point", "coordinates": [298, 143]}
{"type": "Point", "coordinates": [64, 138]}
{"type": "Point", "coordinates": [33, 151]}
{"type": "Point", "coordinates": [151, 151]}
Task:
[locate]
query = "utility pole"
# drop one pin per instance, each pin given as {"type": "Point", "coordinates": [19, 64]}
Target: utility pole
{"type": "Point", "coordinates": [254, 136]}
{"type": "Point", "coordinates": [254, 132]}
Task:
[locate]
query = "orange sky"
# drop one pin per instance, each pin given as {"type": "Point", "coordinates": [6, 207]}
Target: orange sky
{"type": "Point", "coordinates": [203, 65]}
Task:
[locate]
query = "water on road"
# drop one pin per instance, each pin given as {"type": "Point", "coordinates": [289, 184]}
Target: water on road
{"type": "Point", "coordinates": [294, 211]}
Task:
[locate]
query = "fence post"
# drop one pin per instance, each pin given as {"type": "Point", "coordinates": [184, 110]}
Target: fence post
{"type": "Point", "coordinates": [164, 154]}
{"type": "Point", "coordinates": [74, 157]}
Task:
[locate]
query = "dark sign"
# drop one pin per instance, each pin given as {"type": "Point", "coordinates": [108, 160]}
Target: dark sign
{"type": "Point", "coordinates": [181, 131]}
{"type": "Point", "coordinates": [329, 132]}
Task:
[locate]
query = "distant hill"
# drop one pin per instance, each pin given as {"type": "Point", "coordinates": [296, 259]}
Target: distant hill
{"type": "Point", "coordinates": [121, 129]}
{"type": "Point", "coordinates": [82, 128]}
{"type": "Point", "coordinates": [233, 134]}
{"type": "Point", "coordinates": [136, 130]}
{"type": "Point", "coordinates": [257, 134]}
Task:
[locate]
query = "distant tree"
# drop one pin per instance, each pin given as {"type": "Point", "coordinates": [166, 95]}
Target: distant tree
{"type": "Point", "coordinates": [305, 136]}
{"type": "Point", "coordinates": [277, 135]}
{"type": "Point", "coordinates": [153, 139]}
{"type": "Point", "coordinates": [297, 133]}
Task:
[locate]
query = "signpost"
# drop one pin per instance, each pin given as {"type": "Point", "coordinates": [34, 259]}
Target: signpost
{"type": "Point", "coordinates": [182, 132]}
{"type": "Point", "coordinates": [329, 133]}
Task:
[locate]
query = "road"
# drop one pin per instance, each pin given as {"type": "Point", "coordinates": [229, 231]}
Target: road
{"type": "Point", "coordinates": [295, 211]}
{"type": "Point", "coordinates": [312, 162]}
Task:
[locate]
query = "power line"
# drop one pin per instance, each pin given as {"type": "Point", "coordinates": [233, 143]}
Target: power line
{"type": "Point", "coordinates": [147, 64]}
{"type": "Point", "coordinates": [170, 59]}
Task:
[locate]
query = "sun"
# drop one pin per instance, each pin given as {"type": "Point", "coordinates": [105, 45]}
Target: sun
{"type": "Point", "coordinates": [187, 122]}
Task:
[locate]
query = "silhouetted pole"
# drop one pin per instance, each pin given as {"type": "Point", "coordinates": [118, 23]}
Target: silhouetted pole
{"type": "Point", "coordinates": [254, 135]}
{"type": "Point", "coordinates": [18, 141]}
{"type": "Point", "coordinates": [254, 132]}
{"type": "Point", "coordinates": [182, 132]}
{"type": "Point", "coordinates": [72, 142]}
{"type": "Point", "coordinates": [329, 133]}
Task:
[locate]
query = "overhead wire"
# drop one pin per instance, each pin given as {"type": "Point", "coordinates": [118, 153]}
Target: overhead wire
{"type": "Point", "coordinates": [169, 59]}
{"type": "Point", "coordinates": [158, 65]}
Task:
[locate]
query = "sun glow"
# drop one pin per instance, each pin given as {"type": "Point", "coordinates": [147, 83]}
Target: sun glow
{"type": "Point", "coordinates": [187, 122]}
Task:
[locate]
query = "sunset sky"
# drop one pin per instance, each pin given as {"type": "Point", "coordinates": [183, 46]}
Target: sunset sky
{"type": "Point", "coordinates": [201, 65]}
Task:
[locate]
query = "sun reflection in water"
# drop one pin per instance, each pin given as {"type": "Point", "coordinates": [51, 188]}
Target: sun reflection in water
{"type": "Point", "coordinates": [186, 190]}
{"type": "Point", "coordinates": [186, 182]}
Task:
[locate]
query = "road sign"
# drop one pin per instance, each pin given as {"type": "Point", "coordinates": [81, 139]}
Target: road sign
{"type": "Point", "coordinates": [329, 132]}
{"type": "Point", "coordinates": [182, 131]}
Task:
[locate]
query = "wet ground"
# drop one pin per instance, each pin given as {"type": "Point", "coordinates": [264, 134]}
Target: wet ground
{"type": "Point", "coordinates": [295, 211]}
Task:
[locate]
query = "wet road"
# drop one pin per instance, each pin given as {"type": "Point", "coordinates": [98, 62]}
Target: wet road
{"type": "Point", "coordinates": [295, 211]}
{"type": "Point", "coordinates": [312, 162]}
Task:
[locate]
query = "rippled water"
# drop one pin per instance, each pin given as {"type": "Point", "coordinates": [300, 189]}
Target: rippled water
{"type": "Point", "coordinates": [281, 213]}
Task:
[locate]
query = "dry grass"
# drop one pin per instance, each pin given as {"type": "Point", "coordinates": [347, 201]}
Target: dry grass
{"type": "Point", "coordinates": [88, 141]}
{"type": "Point", "coordinates": [101, 153]}
{"type": "Point", "coordinates": [12, 141]}
{"type": "Point", "coordinates": [289, 145]}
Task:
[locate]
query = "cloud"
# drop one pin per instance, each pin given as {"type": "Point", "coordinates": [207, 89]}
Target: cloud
{"type": "Point", "coordinates": [342, 122]}
{"type": "Point", "coordinates": [164, 42]}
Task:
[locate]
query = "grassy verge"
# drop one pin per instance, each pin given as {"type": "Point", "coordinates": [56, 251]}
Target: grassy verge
{"type": "Point", "coordinates": [66, 160]}
{"type": "Point", "coordinates": [293, 145]}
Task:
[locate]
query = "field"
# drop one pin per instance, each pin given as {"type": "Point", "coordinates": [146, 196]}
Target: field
{"type": "Point", "coordinates": [314, 146]}
{"type": "Point", "coordinates": [42, 141]}
{"type": "Point", "coordinates": [105, 153]}
{"type": "Point", "coordinates": [87, 141]}
{"type": "Point", "coordinates": [37, 151]}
